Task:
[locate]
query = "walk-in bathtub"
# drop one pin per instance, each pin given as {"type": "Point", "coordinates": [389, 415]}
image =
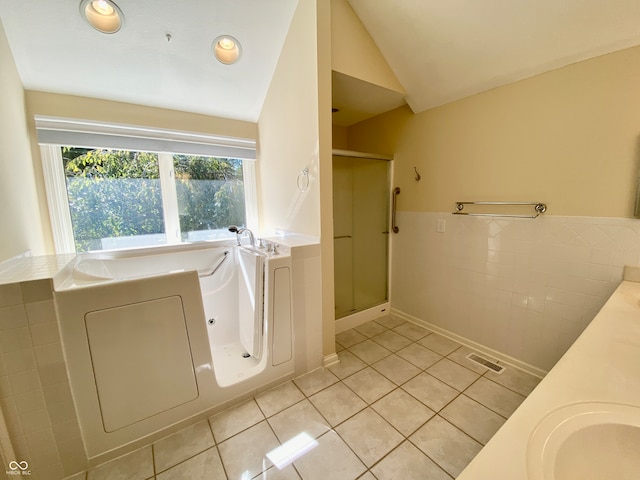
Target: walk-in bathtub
{"type": "Point", "coordinates": [153, 337]}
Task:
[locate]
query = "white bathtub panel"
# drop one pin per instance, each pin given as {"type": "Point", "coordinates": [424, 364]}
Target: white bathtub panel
{"type": "Point", "coordinates": [72, 306]}
{"type": "Point", "coordinates": [282, 328]}
{"type": "Point", "coordinates": [141, 359]}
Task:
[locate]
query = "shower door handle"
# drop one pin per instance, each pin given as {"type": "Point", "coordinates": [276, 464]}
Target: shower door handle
{"type": "Point", "coordinates": [394, 227]}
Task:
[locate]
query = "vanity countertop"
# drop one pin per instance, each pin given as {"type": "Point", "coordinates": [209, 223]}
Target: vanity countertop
{"type": "Point", "coordinates": [603, 365]}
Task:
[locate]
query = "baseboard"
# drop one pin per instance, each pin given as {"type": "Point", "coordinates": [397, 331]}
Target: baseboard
{"type": "Point", "coordinates": [503, 358]}
{"type": "Point", "coordinates": [346, 323]}
{"type": "Point", "coordinates": [329, 360]}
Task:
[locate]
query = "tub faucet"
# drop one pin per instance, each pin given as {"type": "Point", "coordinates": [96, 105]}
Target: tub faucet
{"type": "Point", "coordinates": [239, 231]}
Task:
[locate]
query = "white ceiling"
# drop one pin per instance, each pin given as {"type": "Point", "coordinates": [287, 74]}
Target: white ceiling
{"type": "Point", "coordinates": [440, 51]}
{"type": "Point", "coordinates": [447, 50]}
{"type": "Point", "coordinates": [55, 50]}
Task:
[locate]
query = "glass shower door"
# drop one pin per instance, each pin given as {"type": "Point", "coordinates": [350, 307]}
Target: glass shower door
{"type": "Point", "coordinates": [361, 233]}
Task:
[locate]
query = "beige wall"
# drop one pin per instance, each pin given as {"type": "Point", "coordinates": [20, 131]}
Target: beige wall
{"type": "Point", "coordinates": [354, 53]}
{"type": "Point", "coordinates": [288, 133]}
{"type": "Point", "coordinates": [339, 137]}
{"type": "Point", "coordinates": [569, 138]}
{"type": "Point", "coordinates": [326, 178]}
{"type": "Point", "coordinates": [41, 103]}
{"type": "Point", "coordinates": [19, 216]}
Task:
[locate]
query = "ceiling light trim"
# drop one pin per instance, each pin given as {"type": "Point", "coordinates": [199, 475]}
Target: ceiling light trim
{"type": "Point", "coordinates": [103, 15]}
{"type": "Point", "coordinates": [227, 49]}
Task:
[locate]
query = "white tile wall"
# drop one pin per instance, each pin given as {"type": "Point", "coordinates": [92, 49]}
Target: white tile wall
{"type": "Point", "coordinates": [34, 390]}
{"type": "Point", "coordinates": [524, 287]}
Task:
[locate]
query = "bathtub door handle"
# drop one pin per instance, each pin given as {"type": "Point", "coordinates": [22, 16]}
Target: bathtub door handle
{"type": "Point", "coordinates": [394, 227]}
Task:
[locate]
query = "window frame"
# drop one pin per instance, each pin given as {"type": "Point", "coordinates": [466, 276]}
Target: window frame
{"type": "Point", "coordinates": [58, 202]}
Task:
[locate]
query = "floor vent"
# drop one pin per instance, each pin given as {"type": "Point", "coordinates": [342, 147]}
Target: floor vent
{"type": "Point", "coordinates": [486, 363]}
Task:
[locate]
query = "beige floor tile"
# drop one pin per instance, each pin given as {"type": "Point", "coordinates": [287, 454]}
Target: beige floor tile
{"type": "Point", "coordinates": [439, 344]}
{"type": "Point", "coordinates": [244, 456]}
{"type": "Point", "coordinates": [420, 356]}
{"type": "Point", "coordinates": [390, 322]}
{"type": "Point", "coordinates": [391, 340]}
{"type": "Point", "coordinates": [331, 459]}
{"type": "Point", "coordinates": [337, 403]}
{"type": "Point", "coordinates": [495, 397]}
{"type": "Point", "coordinates": [412, 331]}
{"type": "Point", "coordinates": [279, 398]}
{"type": "Point", "coordinates": [235, 420]}
{"type": "Point", "coordinates": [448, 446]}
{"type": "Point", "coordinates": [396, 369]}
{"type": "Point", "coordinates": [460, 357]}
{"type": "Point", "coordinates": [472, 418]}
{"type": "Point", "coordinates": [430, 391]}
{"type": "Point", "coordinates": [369, 351]}
{"type": "Point", "coordinates": [514, 379]}
{"type": "Point", "coordinates": [370, 329]}
{"type": "Point", "coordinates": [301, 417]}
{"type": "Point", "coordinates": [349, 338]}
{"type": "Point", "coordinates": [367, 476]}
{"type": "Point", "coordinates": [349, 364]}
{"type": "Point", "coordinates": [77, 476]}
{"type": "Point", "coordinates": [453, 374]}
{"type": "Point", "coordinates": [287, 473]}
{"type": "Point", "coordinates": [369, 384]}
{"type": "Point", "coordinates": [182, 445]}
{"type": "Point", "coordinates": [408, 463]}
{"type": "Point", "coordinates": [204, 466]}
{"type": "Point", "coordinates": [137, 465]}
{"type": "Point", "coordinates": [315, 381]}
{"type": "Point", "coordinates": [339, 347]}
{"type": "Point", "coordinates": [403, 411]}
{"type": "Point", "coordinates": [369, 436]}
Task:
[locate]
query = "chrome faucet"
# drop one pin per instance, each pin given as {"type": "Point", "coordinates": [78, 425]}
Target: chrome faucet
{"type": "Point", "coordinates": [239, 231]}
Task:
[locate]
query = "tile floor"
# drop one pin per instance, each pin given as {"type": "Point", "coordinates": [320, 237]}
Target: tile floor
{"type": "Point", "coordinates": [403, 403]}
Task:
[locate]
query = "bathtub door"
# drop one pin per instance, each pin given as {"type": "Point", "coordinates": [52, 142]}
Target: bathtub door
{"type": "Point", "coordinates": [250, 300]}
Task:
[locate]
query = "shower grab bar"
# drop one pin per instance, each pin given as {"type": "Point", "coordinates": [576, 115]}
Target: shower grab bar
{"type": "Point", "coordinates": [394, 227]}
{"type": "Point", "coordinates": [342, 236]}
{"type": "Point", "coordinates": [537, 206]}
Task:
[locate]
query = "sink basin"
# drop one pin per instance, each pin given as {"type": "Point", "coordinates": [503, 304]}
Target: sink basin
{"type": "Point", "coordinates": [586, 441]}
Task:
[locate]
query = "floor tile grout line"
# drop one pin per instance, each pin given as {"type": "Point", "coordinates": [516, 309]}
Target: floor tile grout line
{"type": "Point", "coordinates": [481, 403]}
{"type": "Point", "coordinates": [156, 473]}
{"type": "Point", "coordinates": [153, 459]}
{"type": "Point", "coordinates": [426, 455]}
{"type": "Point", "coordinates": [239, 432]}
{"type": "Point", "coordinates": [458, 428]}
{"type": "Point", "coordinates": [502, 385]}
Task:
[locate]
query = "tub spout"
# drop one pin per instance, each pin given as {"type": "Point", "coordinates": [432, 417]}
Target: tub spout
{"type": "Point", "coordinates": [239, 231]}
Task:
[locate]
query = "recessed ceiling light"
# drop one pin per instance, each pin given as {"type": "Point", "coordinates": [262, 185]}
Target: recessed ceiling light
{"type": "Point", "coordinates": [103, 15]}
{"type": "Point", "coordinates": [226, 49]}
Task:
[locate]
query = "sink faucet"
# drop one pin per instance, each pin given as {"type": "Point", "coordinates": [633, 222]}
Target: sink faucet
{"type": "Point", "coordinates": [239, 231]}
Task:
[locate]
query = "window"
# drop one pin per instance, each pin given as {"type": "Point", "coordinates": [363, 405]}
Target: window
{"type": "Point", "coordinates": [108, 198]}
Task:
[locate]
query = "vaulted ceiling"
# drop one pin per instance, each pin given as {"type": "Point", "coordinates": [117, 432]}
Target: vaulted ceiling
{"type": "Point", "coordinates": [444, 51]}
{"type": "Point", "coordinates": [439, 51]}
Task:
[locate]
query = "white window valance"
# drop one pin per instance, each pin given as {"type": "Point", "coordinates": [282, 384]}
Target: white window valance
{"type": "Point", "coordinates": [92, 134]}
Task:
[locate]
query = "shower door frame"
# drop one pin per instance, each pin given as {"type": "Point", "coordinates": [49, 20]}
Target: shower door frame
{"type": "Point", "coordinates": [377, 311]}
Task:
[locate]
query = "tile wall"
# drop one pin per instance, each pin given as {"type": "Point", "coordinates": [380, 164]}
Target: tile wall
{"type": "Point", "coordinates": [524, 287]}
{"type": "Point", "coordinates": [34, 390]}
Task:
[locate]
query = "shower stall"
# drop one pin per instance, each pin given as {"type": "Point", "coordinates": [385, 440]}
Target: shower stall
{"type": "Point", "coordinates": [361, 217]}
